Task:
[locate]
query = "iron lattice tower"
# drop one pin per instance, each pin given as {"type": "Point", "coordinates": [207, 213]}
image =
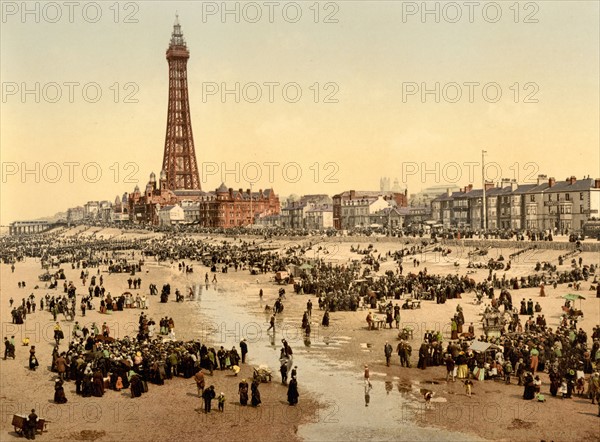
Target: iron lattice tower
{"type": "Point", "coordinates": [179, 160]}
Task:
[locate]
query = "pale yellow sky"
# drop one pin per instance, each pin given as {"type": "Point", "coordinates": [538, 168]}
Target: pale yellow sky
{"type": "Point", "coordinates": [373, 63]}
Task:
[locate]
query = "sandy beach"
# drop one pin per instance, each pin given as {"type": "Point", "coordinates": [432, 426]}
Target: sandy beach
{"type": "Point", "coordinates": [231, 310]}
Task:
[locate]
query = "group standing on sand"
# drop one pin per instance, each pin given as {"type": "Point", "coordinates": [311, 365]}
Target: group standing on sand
{"type": "Point", "coordinates": [133, 363]}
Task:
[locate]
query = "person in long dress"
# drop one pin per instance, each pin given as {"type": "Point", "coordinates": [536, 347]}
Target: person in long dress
{"type": "Point", "coordinates": [243, 392]}
{"type": "Point", "coordinates": [292, 392]}
{"type": "Point", "coordinates": [59, 392]}
{"type": "Point", "coordinates": [529, 389]}
{"type": "Point", "coordinates": [97, 384]}
{"type": "Point", "coordinates": [33, 362]}
{"type": "Point", "coordinates": [255, 393]}
{"type": "Point", "coordinates": [325, 322]}
{"type": "Point", "coordinates": [135, 383]}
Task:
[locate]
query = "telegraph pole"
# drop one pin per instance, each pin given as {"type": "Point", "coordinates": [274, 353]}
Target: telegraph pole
{"type": "Point", "coordinates": [484, 219]}
{"type": "Point", "coordinates": [251, 212]}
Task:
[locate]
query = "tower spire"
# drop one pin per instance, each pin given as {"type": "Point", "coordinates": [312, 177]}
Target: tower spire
{"type": "Point", "coordinates": [179, 159]}
{"type": "Point", "coordinates": [177, 36]}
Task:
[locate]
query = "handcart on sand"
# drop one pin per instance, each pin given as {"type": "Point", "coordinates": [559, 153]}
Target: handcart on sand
{"type": "Point", "coordinates": [20, 424]}
{"type": "Point", "coordinates": [263, 374]}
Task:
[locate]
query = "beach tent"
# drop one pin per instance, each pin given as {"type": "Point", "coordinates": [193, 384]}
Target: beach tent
{"type": "Point", "coordinates": [483, 347]}
{"type": "Point", "coordinates": [574, 297]}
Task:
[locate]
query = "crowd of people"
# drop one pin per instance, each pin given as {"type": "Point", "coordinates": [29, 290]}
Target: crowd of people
{"type": "Point", "coordinates": [97, 362]}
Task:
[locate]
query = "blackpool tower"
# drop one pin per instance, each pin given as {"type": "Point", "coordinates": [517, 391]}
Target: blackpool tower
{"type": "Point", "coordinates": [179, 160]}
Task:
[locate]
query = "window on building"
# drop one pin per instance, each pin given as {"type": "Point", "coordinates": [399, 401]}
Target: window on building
{"type": "Point", "coordinates": [581, 196]}
{"type": "Point", "coordinates": [532, 198]}
{"type": "Point", "coordinates": [567, 197]}
{"type": "Point", "coordinates": [550, 197]}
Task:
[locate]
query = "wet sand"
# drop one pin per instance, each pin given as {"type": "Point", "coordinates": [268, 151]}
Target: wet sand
{"type": "Point", "coordinates": [171, 411]}
{"type": "Point", "coordinates": [332, 402]}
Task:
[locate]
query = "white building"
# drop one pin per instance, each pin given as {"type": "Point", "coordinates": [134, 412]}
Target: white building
{"type": "Point", "coordinates": [170, 215]}
{"type": "Point", "coordinates": [356, 213]}
{"type": "Point", "coordinates": [319, 217]}
{"type": "Point", "coordinates": [191, 211]}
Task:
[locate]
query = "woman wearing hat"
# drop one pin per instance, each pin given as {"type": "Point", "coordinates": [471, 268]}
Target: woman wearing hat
{"type": "Point", "coordinates": [292, 392]}
{"type": "Point", "coordinates": [255, 393]}
{"type": "Point", "coordinates": [59, 392]}
{"type": "Point", "coordinates": [33, 362]}
{"type": "Point", "coordinates": [243, 392]}
{"type": "Point", "coordinates": [529, 389]}
{"type": "Point", "coordinates": [135, 383]}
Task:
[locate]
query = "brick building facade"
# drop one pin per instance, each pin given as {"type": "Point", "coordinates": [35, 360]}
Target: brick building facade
{"type": "Point", "coordinates": [226, 207]}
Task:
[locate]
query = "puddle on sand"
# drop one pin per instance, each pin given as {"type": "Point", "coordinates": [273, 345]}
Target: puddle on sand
{"type": "Point", "coordinates": [428, 382]}
{"type": "Point", "coordinates": [339, 388]}
{"type": "Point", "coordinates": [403, 388]}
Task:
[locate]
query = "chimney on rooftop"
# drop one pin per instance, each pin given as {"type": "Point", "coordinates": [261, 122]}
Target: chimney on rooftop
{"type": "Point", "coordinates": [551, 182]}
{"type": "Point", "coordinates": [489, 185]}
{"type": "Point", "coordinates": [572, 179]}
{"type": "Point", "coordinates": [541, 179]}
{"type": "Point", "coordinates": [597, 183]}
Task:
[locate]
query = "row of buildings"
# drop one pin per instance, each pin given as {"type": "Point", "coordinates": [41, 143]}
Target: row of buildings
{"type": "Point", "coordinates": [103, 211]}
{"type": "Point", "coordinates": [225, 207]}
{"type": "Point", "coordinates": [177, 197]}
{"type": "Point", "coordinates": [546, 204]}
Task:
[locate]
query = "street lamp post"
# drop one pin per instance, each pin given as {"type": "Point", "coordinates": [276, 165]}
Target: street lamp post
{"type": "Point", "coordinates": [484, 218]}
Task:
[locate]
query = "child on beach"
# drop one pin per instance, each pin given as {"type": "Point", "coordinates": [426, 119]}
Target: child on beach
{"type": "Point", "coordinates": [563, 389]}
{"type": "Point", "coordinates": [221, 400]}
{"type": "Point", "coordinates": [468, 386]}
{"type": "Point", "coordinates": [428, 395]}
